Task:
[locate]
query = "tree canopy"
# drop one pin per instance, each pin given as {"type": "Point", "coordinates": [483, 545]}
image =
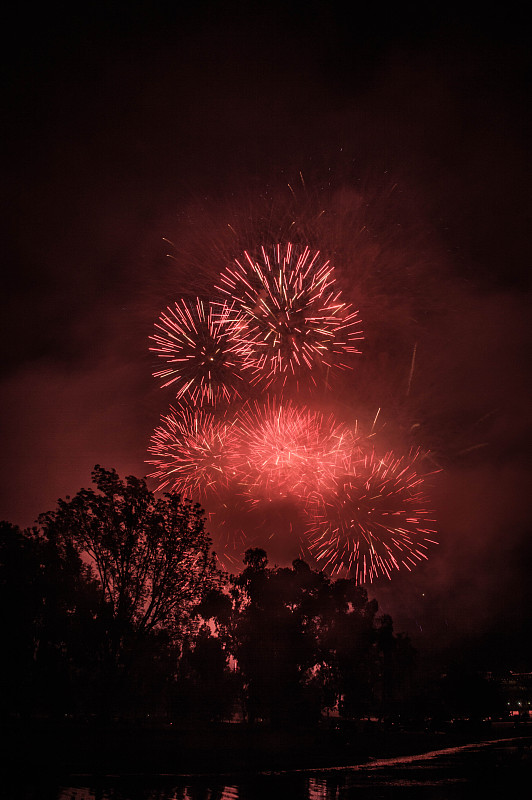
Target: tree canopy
{"type": "Point", "coordinates": [119, 607]}
{"type": "Point", "coordinates": [303, 643]}
{"type": "Point", "coordinates": [151, 563]}
{"type": "Point", "coordinates": [151, 556]}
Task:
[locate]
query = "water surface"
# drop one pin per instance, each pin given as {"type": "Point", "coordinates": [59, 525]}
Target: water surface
{"type": "Point", "coordinates": [494, 769]}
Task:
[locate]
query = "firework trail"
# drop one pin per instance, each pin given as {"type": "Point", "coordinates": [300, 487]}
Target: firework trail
{"type": "Point", "coordinates": [194, 452]}
{"type": "Point", "coordinates": [297, 325]}
{"type": "Point", "coordinates": [375, 520]}
{"type": "Point", "coordinates": [203, 354]}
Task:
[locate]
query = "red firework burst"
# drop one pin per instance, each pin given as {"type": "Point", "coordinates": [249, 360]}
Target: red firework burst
{"type": "Point", "coordinates": [375, 520]}
{"type": "Point", "coordinates": [297, 326]}
{"type": "Point", "coordinates": [202, 350]}
{"type": "Point", "coordinates": [288, 450]}
{"type": "Point", "coordinates": [194, 453]}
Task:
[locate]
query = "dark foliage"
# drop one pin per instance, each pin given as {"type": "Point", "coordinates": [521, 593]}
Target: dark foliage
{"type": "Point", "coordinates": [305, 644]}
{"type": "Point", "coordinates": [114, 607]}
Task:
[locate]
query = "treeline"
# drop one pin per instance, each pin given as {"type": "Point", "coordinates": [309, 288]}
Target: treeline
{"type": "Point", "coordinates": [113, 606]}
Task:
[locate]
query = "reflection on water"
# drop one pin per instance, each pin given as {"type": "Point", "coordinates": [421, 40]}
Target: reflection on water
{"type": "Point", "coordinates": [120, 792]}
{"type": "Point", "coordinates": [318, 790]}
{"type": "Point", "coordinates": [494, 769]}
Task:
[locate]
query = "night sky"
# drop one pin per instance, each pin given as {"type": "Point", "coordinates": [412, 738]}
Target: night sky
{"type": "Point", "coordinates": [410, 130]}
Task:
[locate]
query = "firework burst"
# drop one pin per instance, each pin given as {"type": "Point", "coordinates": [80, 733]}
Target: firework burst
{"type": "Point", "coordinates": [279, 473]}
{"type": "Point", "coordinates": [200, 347]}
{"type": "Point", "coordinates": [288, 450]}
{"type": "Point", "coordinates": [375, 520]}
{"type": "Point", "coordinates": [298, 328]}
{"type": "Point", "coordinates": [193, 452]}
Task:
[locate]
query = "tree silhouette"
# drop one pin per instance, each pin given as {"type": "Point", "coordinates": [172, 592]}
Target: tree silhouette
{"type": "Point", "coordinates": [152, 562]}
{"type": "Point", "coordinates": [114, 605]}
{"type": "Point", "coordinates": [275, 645]}
{"type": "Point", "coordinates": [48, 604]}
{"type": "Point", "coordinates": [303, 643]}
{"type": "Point", "coordinates": [206, 687]}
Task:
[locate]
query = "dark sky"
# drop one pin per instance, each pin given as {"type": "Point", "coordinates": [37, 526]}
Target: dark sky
{"type": "Point", "coordinates": [411, 130]}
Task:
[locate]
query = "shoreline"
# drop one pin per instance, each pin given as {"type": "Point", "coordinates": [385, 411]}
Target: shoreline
{"type": "Point", "coordinates": [223, 750]}
{"type": "Point", "coordinates": [372, 763]}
